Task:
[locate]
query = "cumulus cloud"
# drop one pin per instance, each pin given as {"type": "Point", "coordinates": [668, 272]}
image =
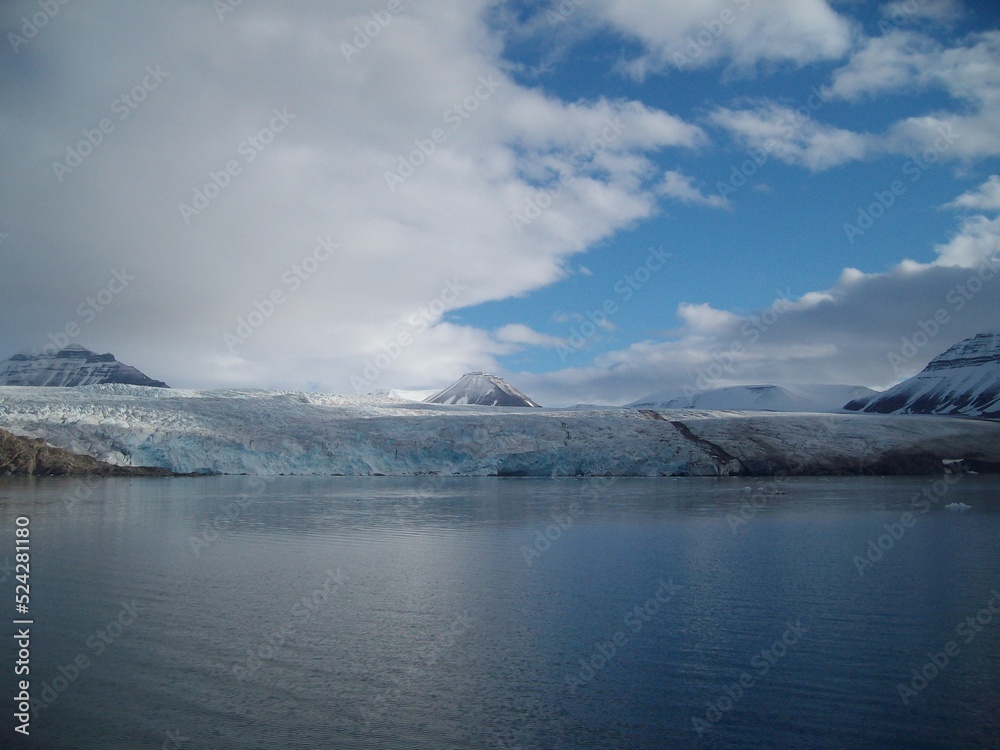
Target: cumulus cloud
{"type": "Point", "coordinates": [702, 318]}
{"type": "Point", "coordinates": [801, 343]}
{"type": "Point", "coordinates": [905, 61]}
{"type": "Point", "coordinates": [978, 237]}
{"type": "Point", "coordinates": [681, 187]}
{"type": "Point", "coordinates": [910, 11]}
{"type": "Point", "coordinates": [901, 61]}
{"type": "Point", "coordinates": [986, 197]}
{"type": "Point", "coordinates": [302, 199]}
{"type": "Point", "coordinates": [845, 334]}
{"type": "Point", "coordinates": [403, 145]}
{"type": "Point", "coordinates": [792, 136]}
{"type": "Point", "coordinates": [518, 333]}
{"type": "Point", "coordinates": [696, 33]}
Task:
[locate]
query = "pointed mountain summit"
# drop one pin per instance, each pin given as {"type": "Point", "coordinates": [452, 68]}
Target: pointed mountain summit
{"type": "Point", "coordinates": [962, 381]}
{"type": "Point", "coordinates": [70, 366]}
{"type": "Point", "coordinates": [481, 389]}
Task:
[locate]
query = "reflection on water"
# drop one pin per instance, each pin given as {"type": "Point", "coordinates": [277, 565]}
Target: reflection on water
{"type": "Point", "coordinates": [483, 613]}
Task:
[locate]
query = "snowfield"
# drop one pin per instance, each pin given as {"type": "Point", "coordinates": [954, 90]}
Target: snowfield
{"type": "Point", "coordinates": [276, 432]}
{"type": "Point", "coordinates": [964, 380]}
{"type": "Point", "coordinates": [797, 398]}
{"type": "Point", "coordinates": [72, 365]}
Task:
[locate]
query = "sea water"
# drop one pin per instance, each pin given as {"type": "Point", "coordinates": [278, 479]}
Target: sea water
{"type": "Point", "coordinates": [239, 612]}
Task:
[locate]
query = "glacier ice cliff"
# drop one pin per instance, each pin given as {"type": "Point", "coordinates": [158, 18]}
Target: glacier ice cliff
{"type": "Point", "coordinates": [279, 432]}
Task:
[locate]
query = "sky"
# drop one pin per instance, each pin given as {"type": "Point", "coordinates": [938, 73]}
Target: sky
{"type": "Point", "coordinates": [596, 199]}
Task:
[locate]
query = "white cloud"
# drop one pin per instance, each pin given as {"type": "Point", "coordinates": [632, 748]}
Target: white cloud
{"type": "Point", "coordinates": [427, 96]}
{"type": "Point", "coordinates": [984, 198]}
{"type": "Point", "coordinates": [703, 318]}
{"type": "Point", "coordinates": [443, 238]}
{"type": "Point", "coordinates": [893, 62]}
{"type": "Point", "coordinates": [978, 236]}
{"type": "Point", "coordinates": [681, 187]}
{"type": "Point", "coordinates": [845, 334]}
{"type": "Point", "coordinates": [792, 137]}
{"type": "Point", "coordinates": [690, 34]}
{"type": "Point", "coordinates": [905, 61]}
{"type": "Point", "coordinates": [909, 11]}
{"type": "Point", "coordinates": [898, 62]}
{"type": "Point", "coordinates": [518, 333]}
{"type": "Point", "coordinates": [977, 239]}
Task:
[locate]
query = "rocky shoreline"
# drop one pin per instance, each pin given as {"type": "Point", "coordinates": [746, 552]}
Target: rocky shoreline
{"type": "Point", "coordinates": [21, 456]}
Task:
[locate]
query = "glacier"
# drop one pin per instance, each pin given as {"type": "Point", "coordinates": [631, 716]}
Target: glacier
{"type": "Point", "coordinates": [263, 432]}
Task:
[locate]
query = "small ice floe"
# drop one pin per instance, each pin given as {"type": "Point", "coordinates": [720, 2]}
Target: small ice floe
{"type": "Point", "coordinates": [957, 506]}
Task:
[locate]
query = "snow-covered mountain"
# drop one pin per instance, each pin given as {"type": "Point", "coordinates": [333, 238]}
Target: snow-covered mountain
{"type": "Point", "coordinates": [276, 432]}
{"type": "Point", "coordinates": [481, 389]}
{"type": "Point", "coordinates": [791, 398]}
{"type": "Point", "coordinates": [964, 380]}
{"type": "Point", "coordinates": [70, 366]}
